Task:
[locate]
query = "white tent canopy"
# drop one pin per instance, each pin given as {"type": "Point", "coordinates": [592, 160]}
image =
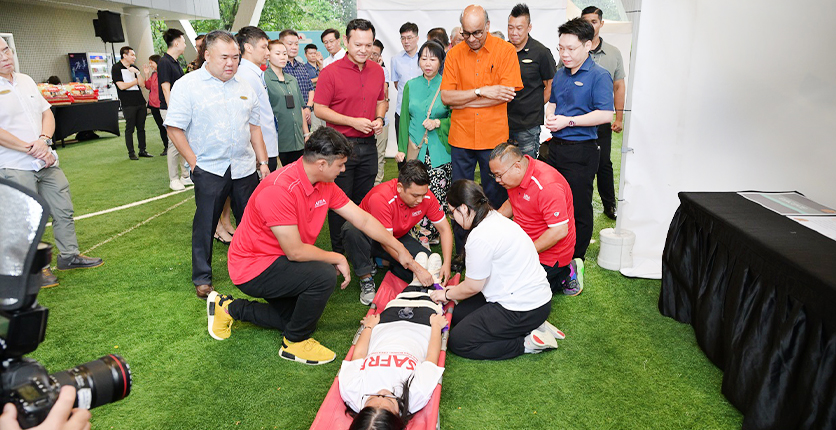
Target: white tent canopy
{"type": "Point", "coordinates": [726, 96]}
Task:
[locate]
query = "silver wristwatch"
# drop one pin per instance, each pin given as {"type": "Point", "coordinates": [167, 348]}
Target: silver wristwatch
{"type": "Point", "coordinates": [47, 140]}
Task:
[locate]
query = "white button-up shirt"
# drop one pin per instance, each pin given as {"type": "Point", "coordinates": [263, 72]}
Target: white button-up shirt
{"type": "Point", "coordinates": [404, 68]}
{"type": "Point", "coordinates": [216, 118]}
{"type": "Point", "coordinates": [250, 73]}
{"type": "Point", "coordinates": [331, 58]}
{"type": "Point", "coordinates": [21, 114]}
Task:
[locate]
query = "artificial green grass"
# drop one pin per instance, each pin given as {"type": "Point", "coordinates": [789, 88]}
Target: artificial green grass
{"type": "Point", "coordinates": [622, 365]}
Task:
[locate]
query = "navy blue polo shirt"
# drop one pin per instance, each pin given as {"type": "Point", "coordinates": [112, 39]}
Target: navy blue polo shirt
{"type": "Point", "coordinates": [589, 89]}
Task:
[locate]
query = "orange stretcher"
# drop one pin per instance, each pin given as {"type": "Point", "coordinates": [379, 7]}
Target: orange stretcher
{"type": "Point", "coordinates": [331, 414]}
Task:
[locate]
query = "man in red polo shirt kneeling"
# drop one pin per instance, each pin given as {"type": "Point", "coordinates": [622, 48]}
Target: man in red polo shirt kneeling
{"type": "Point", "coordinates": [540, 200]}
{"type": "Point", "coordinates": [273, 256]}
{"type": "Point", "coordinates": [399, 204]}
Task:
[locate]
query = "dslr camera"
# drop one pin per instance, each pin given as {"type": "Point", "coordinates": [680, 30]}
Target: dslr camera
{"type": "Point", "coordinates": [23, 381]}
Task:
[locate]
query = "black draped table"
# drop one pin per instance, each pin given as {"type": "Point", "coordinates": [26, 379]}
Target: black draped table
{"type": "Point", "coordinates": [102, 115]}
{"type": "Point", "coordinates": [760, 292]}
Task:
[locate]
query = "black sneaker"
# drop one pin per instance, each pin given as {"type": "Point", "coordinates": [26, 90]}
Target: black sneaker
{"type": "Point", "coordinates": [145, 155]}
{"type": "Point", "coordinates": [164, 153]}
{"type": "Point", "coordinates": [133, 157]}
{"type": "Point", "coordinates": [367, 291]}
{"type": "Point", "coordinates": [78, 261]}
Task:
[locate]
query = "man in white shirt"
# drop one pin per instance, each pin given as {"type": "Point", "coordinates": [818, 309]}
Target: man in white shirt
{"type": "Point", "coordinates": [252, 42]}
{"type": "Point", "coordinates": [213, 121]}
{"type": "Point", "coordinates": [405, 65]}
{"type": "Point", "coordinates": [26, 127]}
{"type": "Point", "coordinates": [331, 39]}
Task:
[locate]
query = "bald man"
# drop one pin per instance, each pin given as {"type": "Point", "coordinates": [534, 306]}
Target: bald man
{"type": "Point", "coordinates": [481, 76]}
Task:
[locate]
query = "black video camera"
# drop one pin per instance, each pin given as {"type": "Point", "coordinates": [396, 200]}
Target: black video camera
{"type": "Point", "coordinates": [23, 381]}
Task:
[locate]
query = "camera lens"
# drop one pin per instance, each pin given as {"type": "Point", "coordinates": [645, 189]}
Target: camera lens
{"type": "Point", "coordinates": [98, 382]}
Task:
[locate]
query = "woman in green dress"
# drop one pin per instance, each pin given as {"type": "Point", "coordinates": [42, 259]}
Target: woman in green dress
{"type": "Point", "coordinates": [418, 94]}
{"type": "Point", "coordinates": [286, 100]}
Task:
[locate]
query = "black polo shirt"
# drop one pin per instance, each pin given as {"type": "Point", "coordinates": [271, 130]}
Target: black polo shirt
{"type": "Point", "coordinates": [168, 70]}
{"type": "Point", "coordinates": [536, 65]}
{"type": "Point", "coordinates": [131, 96]}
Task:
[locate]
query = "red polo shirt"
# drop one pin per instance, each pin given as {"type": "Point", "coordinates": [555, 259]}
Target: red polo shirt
{"type": "Point", "coordinates": [350, 91]}
{"type": "Point", "coordinates": [541, 201]}
{"type": "Point", "coordinates": [385, 205]}
{"type": "Point", "coordinates": [284, 197]}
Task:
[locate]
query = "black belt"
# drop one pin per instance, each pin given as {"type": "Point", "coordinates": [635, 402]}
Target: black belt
{"type": "Point", "coordinates": [560, 141]}
{"type": "Point", "coordinates": [362, 140]}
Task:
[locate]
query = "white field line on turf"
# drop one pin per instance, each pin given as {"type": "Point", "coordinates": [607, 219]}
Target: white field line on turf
{"type": "Point", "coordinates": [127, 206]}
{"type": "Point", "coordinates": [138, 225]}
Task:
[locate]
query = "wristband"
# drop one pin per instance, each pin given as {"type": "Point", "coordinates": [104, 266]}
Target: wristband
{"type": "Point", "coordinates": [306, 107]}
{"type": "Point", "coordinates": [445, 294]}
{"type": "Point", "coordinates": [380, 118]}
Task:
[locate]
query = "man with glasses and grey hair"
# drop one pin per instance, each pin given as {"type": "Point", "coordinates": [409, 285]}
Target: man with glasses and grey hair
{"type": "Point", "coordinates": [213, 121]}
{"type": "Point", "coordinates": [481, 76]}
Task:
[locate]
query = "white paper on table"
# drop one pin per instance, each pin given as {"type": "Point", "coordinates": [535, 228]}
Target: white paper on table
{"type": "Point", "coordinates": [825, 225]}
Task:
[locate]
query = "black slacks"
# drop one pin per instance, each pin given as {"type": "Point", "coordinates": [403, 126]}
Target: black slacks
{"type": "Point", "coordinates": [488, 331]}
{"type": "Point", "coordinates": [356, 182]}
{"type": "Point", "coordinates": [361, 249]}
{"type": "Point", "coordinates": [210, 193]}
{"type": "Point", "coordinates": [134, 119]}
{"type": "Point", "coordinates": [296, 294]}
{"type": "Point", "coordinates": [577, 161]}
{"type": "Point", "coordinates": [606, 185]}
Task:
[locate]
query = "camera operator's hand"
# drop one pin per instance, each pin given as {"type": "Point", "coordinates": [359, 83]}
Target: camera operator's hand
{"type": "Point", "coordinates": [59, 417]}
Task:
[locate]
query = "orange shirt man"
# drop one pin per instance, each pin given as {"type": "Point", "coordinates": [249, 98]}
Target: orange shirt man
{"type": "Point", "coordinates": [480, 77]}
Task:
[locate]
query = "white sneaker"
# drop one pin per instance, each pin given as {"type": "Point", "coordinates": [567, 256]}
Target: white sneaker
{"type": "Point", "coordinates": [176, 185]}
{"type": "Point", "coordinates": [538, 341]}
{"type": "Point", "coordinates": [554, 331]}
{"type": "Point", "coordinates": [186, 181]}
{"type": "Point", "coordinates": [421, 259]}
{"type": "Point", "coordinates": [434, 267]}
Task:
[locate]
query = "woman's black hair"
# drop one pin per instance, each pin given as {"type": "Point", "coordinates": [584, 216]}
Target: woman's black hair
{"type": "Point", "coordinates": [371, 418]}
{"type": "Point", "coordinates": [469, 193]}
{"type": "Point", "coordinates": [436, 50]}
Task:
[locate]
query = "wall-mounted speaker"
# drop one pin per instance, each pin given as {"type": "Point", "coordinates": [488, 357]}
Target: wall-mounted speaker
{"type": "Point", "coordinates": [109, 27]}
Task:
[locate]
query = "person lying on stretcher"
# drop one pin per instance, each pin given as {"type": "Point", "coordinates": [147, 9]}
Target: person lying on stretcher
{"type": "Point", "coordinates": [394, 368]}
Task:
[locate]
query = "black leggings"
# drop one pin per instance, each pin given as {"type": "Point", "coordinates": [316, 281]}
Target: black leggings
{"type": "Point", "coordinates": [488, 331]}
{"type": "Point", "coordinates": [158, 118]}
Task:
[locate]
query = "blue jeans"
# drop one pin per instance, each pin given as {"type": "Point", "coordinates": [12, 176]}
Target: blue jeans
{"type": "Point", "coordinates": [527, 140]}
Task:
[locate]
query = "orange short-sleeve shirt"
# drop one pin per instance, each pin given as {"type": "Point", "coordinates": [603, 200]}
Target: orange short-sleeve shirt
{"type": "Point", "coordinates": [495, 64]}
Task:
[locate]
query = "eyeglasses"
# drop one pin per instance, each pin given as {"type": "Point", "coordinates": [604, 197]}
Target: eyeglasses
{"type": "Point", "coordinates": [477, 34]}
{"type": "Point", "coordinates": [499, 176]}
{"type": "Point", "coordinates": [408, 38]}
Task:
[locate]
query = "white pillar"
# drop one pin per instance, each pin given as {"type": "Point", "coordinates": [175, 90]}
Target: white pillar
{"type": "Point", "coordinates": [138, 32]}
{"type": "Point", "coordinates": [249, 12]}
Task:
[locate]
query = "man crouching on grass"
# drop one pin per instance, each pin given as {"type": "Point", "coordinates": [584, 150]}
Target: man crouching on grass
{"type": "Point", "coordinates": [273, 256]}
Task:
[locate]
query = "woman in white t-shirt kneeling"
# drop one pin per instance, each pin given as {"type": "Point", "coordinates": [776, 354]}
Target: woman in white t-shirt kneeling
{"type": "Point", "coordinates": [505, 298]}
{"type": "Point", "coordinates": [394, 369]}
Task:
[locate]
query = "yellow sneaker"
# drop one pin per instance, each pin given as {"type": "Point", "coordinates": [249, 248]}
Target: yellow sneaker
{"type": "Point", "coordinates": [217, 308]}
{"type": "Point", "coordinates": [307, 351]}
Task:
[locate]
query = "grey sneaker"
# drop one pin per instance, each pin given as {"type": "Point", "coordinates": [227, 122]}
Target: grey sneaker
{"type": "Point", "coordinates": [554, 331]}
{"type": "Point", "coordinates": [78, 261]}
{"type": "Point", "coordinates": [367, 291]}
{"type": "Point", "coordinates": [47, 278]}
{"type": "Point", "coordinates": [538, 341]}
